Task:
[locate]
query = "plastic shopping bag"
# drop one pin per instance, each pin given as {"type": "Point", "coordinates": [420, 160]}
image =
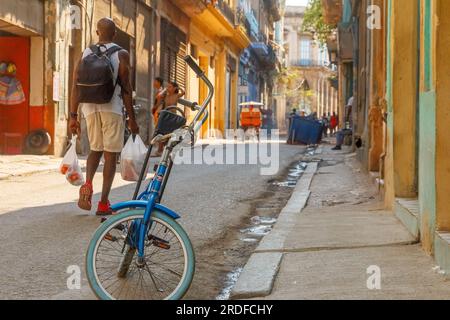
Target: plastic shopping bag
{"type": "Point", "coordinates": [132, 159]}
{"type": "Point", "coordinates": [70, 167]}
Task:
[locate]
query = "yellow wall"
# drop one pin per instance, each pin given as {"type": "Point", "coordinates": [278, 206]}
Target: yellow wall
{"type": "Point", "coordinates": [442, 74]}
{"type": "Point", "coordinates": [215, 41]}
{"type": "Point", "coordinates": [404, 99]}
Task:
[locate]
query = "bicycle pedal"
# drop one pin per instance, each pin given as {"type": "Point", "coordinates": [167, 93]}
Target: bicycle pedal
{"type": "Point", "coordinates": [110, 238]}
{"type": "Point", "coordinates": [158, 242]}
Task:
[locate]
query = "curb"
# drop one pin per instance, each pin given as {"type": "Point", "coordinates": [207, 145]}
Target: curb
{"type": "Point", "coordinates": [258, 275]}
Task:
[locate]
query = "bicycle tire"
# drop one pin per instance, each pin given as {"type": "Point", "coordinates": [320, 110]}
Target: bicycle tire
{"type": "Point", "coordinates": [158, 216]}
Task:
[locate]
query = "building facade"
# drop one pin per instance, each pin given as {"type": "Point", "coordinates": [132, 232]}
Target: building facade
{"type": "Point", "coordinates": [260, 62]}
{"type": "Point", "coordinates": [311, 61]}
{"type": "Point", "coordinates": [401, 87]}
{"type": "Point", "coordinates": [51, 36]}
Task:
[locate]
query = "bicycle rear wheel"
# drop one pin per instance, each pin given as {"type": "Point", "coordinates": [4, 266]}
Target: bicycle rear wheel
{"type": "Point", "coordinates": [114, 271]}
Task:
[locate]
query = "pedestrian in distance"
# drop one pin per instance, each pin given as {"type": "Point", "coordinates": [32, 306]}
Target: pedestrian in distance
{"type": "Point", "coordinates": [169, 98]}
{"type": "Point", "coordinates": [326, 124]}
{"type": "Point", "coordinates": [267, 120]}
{"type": "Point", "coordinates": [101, 83]}
{"type": "Point", "coordinates": [174, 92]}
{"type": "Point", "coordinates": [333, 123]}
{"type": "Point", "coordinates": [158, 86]}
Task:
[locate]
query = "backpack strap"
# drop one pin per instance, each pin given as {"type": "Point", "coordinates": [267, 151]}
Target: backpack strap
{"type": "Point", "coordinates": [96, 49]}
{"type": "Point", "coordinates": [109, 53]}
{"type": "Point", "coordinates": [112, 50]}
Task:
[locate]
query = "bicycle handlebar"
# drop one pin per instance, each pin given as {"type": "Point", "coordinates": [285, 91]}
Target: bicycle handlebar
{"type": "Point", "coordinates": [202, 113]}
{"type": "Point", "coordinates": [193, 65]}
{"type": "Point", "coordinates": [192, 105]}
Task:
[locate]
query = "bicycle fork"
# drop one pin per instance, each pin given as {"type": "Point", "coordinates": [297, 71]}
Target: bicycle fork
{"type": "Point", "coordinates": [139, 228]}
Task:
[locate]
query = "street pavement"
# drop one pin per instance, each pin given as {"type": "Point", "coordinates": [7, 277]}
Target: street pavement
{"type": "Point", "coordinates": [42, 231]}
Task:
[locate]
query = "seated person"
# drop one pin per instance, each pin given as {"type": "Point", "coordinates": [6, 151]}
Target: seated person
{"type": "Point", "coordinates": [340, 135]}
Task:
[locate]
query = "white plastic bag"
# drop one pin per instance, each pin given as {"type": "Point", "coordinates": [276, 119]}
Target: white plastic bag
{"type": "Point", "coordinates": [70, 166]}
{"type": "Point", "coordinates": [132, 159]}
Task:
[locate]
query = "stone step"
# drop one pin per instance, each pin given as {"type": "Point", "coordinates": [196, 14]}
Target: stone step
{"type": "Point", "coordinates": [408, 211]}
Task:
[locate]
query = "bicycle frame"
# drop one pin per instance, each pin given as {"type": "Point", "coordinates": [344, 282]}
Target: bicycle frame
{"type": "Point", "coordinates": [150, 199]}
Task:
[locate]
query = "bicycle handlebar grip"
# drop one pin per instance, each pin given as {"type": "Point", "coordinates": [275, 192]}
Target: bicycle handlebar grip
{"type": "Point", "coordinates": [193, 65]}
{"type": "Point", "coordinates": [187, 103]}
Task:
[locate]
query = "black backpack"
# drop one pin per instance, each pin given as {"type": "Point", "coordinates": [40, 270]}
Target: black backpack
{"type": "Point", "coordinates": [96, 83]}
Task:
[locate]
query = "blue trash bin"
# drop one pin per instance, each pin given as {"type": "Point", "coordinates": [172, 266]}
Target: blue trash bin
{"type": "Point", "coordinates": [305, 131]}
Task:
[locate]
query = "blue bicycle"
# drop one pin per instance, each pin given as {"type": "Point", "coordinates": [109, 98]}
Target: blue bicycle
{"type": "Point", "coordinates": [142, 253]}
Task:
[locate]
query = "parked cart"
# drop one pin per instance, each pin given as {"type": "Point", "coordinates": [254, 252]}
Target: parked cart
{"type": "Point", "coordinates": [251, 116]}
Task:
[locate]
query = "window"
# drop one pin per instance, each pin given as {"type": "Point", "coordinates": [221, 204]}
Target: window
{"type": "Point", "coordinates": [305, 52]}
{"type": "Point", "coordinates": [194, 51]}
{"type": "Point", "coordinates": [323, 56]}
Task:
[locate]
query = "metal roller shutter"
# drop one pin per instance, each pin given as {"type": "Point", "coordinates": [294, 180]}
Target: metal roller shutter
{"type": "Point", "coordinates": [173, 50]}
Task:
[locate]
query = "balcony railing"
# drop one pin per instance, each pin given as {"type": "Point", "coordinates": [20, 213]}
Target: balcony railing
{"type": "Point", "coordinates": [242, 20]}
{"type": "Point", "coordinates": [226, 10]}
{"type": "Point", "coordinates": [309, 63]}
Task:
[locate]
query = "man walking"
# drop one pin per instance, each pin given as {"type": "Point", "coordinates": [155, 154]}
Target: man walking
{"type": "Point", "coordinates": [101, 82]}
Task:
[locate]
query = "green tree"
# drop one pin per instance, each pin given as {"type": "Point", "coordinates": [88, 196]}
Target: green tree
{"type": "Point", "coordinates": [314, 22]}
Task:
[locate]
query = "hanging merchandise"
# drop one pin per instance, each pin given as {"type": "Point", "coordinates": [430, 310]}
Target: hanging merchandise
{"type": "Point", "coordinates": [11, 91]}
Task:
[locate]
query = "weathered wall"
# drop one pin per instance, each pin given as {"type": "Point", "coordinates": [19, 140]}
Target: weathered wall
{"type": "Point", "coordinates": [427, 132]}
{"type": "Point", "coordinates": [377, 67]}
{"type": "Point", "coordinates": [144, 33]}
{"type": "Point", "coordinates": [26, 14]}
{"type": "Point", "coordinates": [404, 96]}
{"type": "Point", "coordinates": [442, 75]}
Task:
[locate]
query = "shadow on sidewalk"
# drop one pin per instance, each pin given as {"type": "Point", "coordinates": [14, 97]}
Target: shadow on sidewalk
{"type": "Point", "coordinates": [345, 245]}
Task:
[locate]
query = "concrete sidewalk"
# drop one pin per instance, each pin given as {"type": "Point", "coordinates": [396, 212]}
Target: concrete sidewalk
{"type": "Point", "coordinates": [23, 165]}
{"type": "Point", "coordinates": [327, 249]}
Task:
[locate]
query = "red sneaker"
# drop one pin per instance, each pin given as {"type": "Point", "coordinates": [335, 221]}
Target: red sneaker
{"type": "Point", "coordinates": [104, 209]}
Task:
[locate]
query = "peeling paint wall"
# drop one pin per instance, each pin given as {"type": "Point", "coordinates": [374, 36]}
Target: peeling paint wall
{"type": "Point", "coordinates": [402, 100]}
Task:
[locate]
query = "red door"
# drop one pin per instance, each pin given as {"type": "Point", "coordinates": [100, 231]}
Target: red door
{"type": "Point", "coordinates": [14, 119]}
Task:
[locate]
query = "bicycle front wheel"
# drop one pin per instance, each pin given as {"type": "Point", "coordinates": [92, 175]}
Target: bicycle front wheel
{"type": "Point", "coordinates": [114, 271]}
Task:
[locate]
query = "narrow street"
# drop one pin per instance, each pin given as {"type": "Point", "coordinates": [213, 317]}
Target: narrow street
{"type": "Point", "coordinates": [43, 232]}
{"type": "Point", "coordinates": [310, 139]}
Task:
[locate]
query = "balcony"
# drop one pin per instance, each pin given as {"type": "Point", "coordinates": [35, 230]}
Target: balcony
{"type": "Point", "coordinates": [309, 63]}
{"type": "Point", "coordinates": [226, 10]}
{"type": "Point", "coordinates": [242, 20]}
{"type": "Point", "coordinates": [265, 55]}
{"type": "Point", "coordinates": [248, 20]}
{"type": "Point", "coordinates": [220, 19]}
{"type": "Point", "coordinates": [191, 7]}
